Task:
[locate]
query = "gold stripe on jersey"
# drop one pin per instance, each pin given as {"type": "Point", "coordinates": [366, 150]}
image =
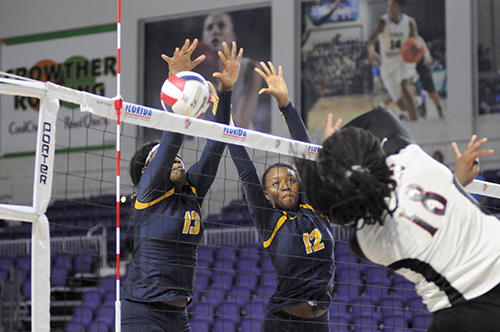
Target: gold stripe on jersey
{"type": "Point", "coordinates": [141, 206]}
{"type": "Point", "coordinates": [216, 104]}
{"type": "Point", "coordinates": [280, 223]}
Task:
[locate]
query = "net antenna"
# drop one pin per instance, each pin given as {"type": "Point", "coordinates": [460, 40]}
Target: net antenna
{"type": "Point", "coordinates": [118, 107]}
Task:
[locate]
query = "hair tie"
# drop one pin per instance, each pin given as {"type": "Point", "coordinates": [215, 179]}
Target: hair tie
{"type": "Point", "coordinates": [355, 168]}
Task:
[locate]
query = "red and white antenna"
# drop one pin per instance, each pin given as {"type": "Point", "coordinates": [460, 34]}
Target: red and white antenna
{"type": "Point", "coordinates": [118, 107]}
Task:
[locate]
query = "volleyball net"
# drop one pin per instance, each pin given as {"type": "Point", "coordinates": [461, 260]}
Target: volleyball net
{"type": "Point", "coordinates": [60, 256]}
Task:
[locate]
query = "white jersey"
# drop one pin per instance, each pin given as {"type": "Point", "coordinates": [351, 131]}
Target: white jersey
{"type": "Point", "coordinates": [391, 40]}
{"type": "Point", "coordinates": [438, 238]}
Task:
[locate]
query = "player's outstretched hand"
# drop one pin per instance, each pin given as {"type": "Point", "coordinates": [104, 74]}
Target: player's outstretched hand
{"type": "Point", "coordinates": [468, 162]}
{"type": "Point", "coordinates": [331, 127]}
{"type": "Point", "coordinates": [275, 82]}
{"type": "Point", "coordinates": [181, 60]}
{"type": "Point", "coordinates": [230, 67]}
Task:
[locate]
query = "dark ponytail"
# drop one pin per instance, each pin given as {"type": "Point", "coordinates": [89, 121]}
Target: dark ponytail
{"type": "Point", "coordinates": [350, 179]}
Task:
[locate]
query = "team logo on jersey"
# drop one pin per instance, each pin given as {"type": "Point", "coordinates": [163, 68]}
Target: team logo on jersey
{"type": "Point", "coordinates": [187, 123]}
{"type": "Point", "coordinates": [313, 149]}
{"type": "Point", "coordinates": [138, 112]}
{"type": "Point", "coordinates": [485, 186]}
{"type": "Point", "coordinates": [277, 144]}
{"type": "Point", "coordinates": [235, 133]}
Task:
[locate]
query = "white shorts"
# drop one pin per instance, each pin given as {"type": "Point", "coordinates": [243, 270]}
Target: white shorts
{"type": "Point", "coordinates": [393, 76]}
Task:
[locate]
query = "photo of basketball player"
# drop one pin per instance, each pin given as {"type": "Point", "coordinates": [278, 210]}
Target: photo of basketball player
{"type": "Point", "coordinates": [347, 68]}
{"type": "Point", "coordinates": [249, 27]}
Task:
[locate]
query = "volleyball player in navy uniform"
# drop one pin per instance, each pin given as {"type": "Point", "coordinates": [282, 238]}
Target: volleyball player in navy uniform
{"type": "Point", "coordinates": [411, 214]}
{"type": "Point", "coordinates": [298, 240]}
{"type": "Point", "coordinates": [167, 216]}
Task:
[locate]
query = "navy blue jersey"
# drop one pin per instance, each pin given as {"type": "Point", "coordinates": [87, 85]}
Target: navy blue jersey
{"type": "Point", "coordinates": [300, 244]}
{"type": "Point", "coordinates": [167, 223]}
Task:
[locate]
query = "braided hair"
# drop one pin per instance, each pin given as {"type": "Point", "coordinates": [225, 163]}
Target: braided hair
{"type": "Point", "coordinates": [350, 179]}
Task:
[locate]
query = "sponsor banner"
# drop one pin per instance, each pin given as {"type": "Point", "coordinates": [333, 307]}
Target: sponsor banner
{"type": "Point", "coordinates": [83, 59]}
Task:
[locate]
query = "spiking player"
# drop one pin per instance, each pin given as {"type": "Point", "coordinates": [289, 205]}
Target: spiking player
{"type": "Point", "coordinates": [298, 239]}
{"type": "Point", "coordinates": [409, 213]}
{"type": "Point", "coordinates": [392, 30]}
{"type": "Point", "coordinates": [167, 217]}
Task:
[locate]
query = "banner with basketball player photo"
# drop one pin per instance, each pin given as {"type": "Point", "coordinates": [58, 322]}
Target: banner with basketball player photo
{"type": "Point", "coordinates": [162, 36]}
{"type": "Point", "coordinates": [362, 53]}
{"type": "Point", "coordinates": [82, 59]}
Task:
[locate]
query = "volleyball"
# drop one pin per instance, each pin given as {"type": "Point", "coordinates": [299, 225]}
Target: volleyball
{"type": "Point", "coordinates": [413, 50]}
{"type": "Point", "coordinates": [186, 93]}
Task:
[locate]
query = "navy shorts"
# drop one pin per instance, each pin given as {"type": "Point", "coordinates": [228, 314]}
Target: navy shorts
{"type": "Point", "coordinates": [284, 322]}
{"type": "Point", "coordinates": [479, 314]}
{"type": "Point", "coordinates": [153, 317]}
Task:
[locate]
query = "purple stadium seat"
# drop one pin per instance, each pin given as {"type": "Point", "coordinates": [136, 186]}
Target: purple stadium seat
{"type": "Point", "coordinates": [83, 314]}
{"type": "Point", "coordinates": [63, 259]}
{"type": "Point", "coordinates": [251, 325]}
{"type": "Point", "coordinates": [223, 266]}
{"type": "Point", "coordinates": [342, 247]}
{"type": "Point", "coordinates": [391, 307]}
{"type": "Point", "coordinates": [422, 321]}
{"type": "Point", "coordinates": [23, 262]}
{"type": "Point", "coordinates": [84, 262]}
{"type": "Point", "coordinates": [266, 266]}
{"type": "Point", "coordinates": [4, 274]}
{"type": "Point", "coordinates": [201, 281]}
{"type": "Point", "coordinates": [248, 265]}
{"type": "Point", "coordinates": [216, 295]}
{"type": "Point", "coordinates": [265, 291]}
{"type": "Point", "coordinates": [6, 263]}
{"type": "Point", "coordinates": [254, 309]}
{"type": "Point", "coordinates": [378, 276]}
{"type": "Point", "coordinates": [206, 253]}
{"type": "Point", "coordinates": [364, 308]}
{"type": "Point", "coordinates": [267, 279]}
{"type": "Point", "coordinates": [225, 325]}
{"type": "Point", "coordinates": [58, 276]}
{"type": "Point", "coordinates": [340, 310]}
{"type": "Point", "coordinates": [249, 252]}
{"type": "Point", "coordinates": [349, 275]}
{"type": "Point", "coordinates": [374, 293]}
{"type": "Point", "coordinates": [107, 283]}
{"type": "Point", "coordinates": [339, 324]}
{"type": "Point", "coordinates": [92, 298]}
{"type": "Point", "coordinates": [222, 280]}
{"type": "Point", "coordinates": [200, 325]}
{"type": "Point", "coordinates": [203, 312]}
{"type": "Point", "coordinates": [365, 324]}
{"type": "Point", "coordinates": [346, 293]}
{"type": "Point", "coordinates": [109, 298]}
{"type": "Point", "coordinates": [395, 323]}
{"type": "Point", "coordinates": [105, 314]}
{"type": "Point", "coordinates": [74, 326]}
{"type": "Point", "coordinates": [228, 254]}
{"type": "Point", "coordinates": [26, 288]}
{"type": "Point", "coordinates": [415, 304]}
{"type": "Point", "coordinates": [246, 280]}
{"type": "Point", "coordinates": [228, 310]}
{"type": "Point", "coordinates": [346, 258]}
{"type": "Point", "coordinates": [98, 327]}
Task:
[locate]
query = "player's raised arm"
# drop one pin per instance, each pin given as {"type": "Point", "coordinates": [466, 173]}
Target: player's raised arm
{"type": "Point", "coordinates": [374, 57]}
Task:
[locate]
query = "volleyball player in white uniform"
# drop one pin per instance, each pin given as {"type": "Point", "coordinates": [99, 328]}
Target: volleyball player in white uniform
{"type": "Point", "coordinates": [391, 31]}
{"type": "Point", "coordinates": [411, 214]}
